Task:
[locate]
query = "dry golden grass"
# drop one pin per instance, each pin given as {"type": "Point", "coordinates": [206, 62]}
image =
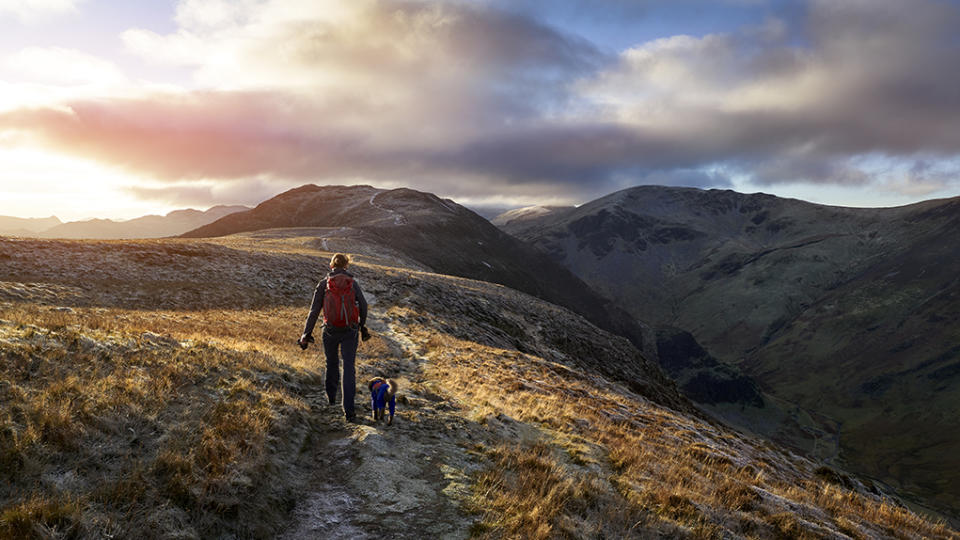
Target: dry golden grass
{"type": "Point", "coordinates": [665, 472]}
{"type": "Point", "coordinates": [539, 498]}
{"type": "Point", "coordinates": [41, 517]}
{"type": "Point", "coordinates": [115, 422]}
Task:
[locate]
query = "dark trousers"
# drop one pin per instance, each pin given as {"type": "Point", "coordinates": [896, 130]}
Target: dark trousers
{"type": "Point", "coordinates": [336, 345]}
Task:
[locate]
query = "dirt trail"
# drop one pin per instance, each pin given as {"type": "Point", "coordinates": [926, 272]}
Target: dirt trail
{"type": "Point", "coordinates": [371, 480]}
{"type": "Point", "coordinates": [398, 218]}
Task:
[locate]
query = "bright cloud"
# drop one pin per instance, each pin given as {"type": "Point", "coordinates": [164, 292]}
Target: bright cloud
{"type": "Point", "coordinates": [30, 10]}
{"type": "Point", "coordinates": [64, 67]}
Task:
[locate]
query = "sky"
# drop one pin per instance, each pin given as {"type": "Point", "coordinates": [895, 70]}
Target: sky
{"type": "Point", "coordinates": [120, 109]}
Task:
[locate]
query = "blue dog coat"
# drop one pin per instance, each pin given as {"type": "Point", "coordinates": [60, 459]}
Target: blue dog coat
{"type": "Point", "coordinates": [378, 396]}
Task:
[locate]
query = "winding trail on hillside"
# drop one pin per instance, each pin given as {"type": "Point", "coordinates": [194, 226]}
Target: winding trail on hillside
{"type": "Point", "coordinates": [332, 235]}
{"type": "Point", "coordinates": [370, 480]}
{"type": "Point", "coordinates": [398, 218]}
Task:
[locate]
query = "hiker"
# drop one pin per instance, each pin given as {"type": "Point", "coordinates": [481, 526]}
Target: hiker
{"type": "Point", "coordinates": [344, 313]}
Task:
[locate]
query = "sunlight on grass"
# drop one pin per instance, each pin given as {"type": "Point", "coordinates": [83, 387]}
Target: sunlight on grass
{"type": "Point", "coordinates": [665, 471]}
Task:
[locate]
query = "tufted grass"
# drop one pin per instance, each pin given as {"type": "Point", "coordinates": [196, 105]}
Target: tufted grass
{"type": "Point", "coordinates": [592, 452]}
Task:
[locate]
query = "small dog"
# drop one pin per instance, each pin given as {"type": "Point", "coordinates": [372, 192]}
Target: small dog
{"type": "Point", "coordinates": [381, 391]}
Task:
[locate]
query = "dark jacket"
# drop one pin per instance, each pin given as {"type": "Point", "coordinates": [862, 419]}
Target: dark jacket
{"type": "Point", "coordinates": [317, 306]}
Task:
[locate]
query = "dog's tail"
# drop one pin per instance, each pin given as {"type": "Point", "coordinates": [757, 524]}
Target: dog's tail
{"type": "Point", "coordinates": [391, 388]}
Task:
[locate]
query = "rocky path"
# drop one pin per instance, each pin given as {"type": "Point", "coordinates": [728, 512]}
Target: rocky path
{"type": "Point", "coordinates": [407, 480]}
{"type": "Point", "coordinates": [398, 218]}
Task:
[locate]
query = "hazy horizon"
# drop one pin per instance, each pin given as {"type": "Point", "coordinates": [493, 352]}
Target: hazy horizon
{"type": "Point", "coordinates": [478, 208]}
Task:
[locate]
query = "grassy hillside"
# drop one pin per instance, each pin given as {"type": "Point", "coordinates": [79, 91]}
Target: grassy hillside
{"type": "Point", "coordinates": [847, 313]}
{"type": "Point", "coordinates": [153, 389]}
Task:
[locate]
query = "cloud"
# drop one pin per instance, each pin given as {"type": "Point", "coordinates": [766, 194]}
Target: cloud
{"type": "Point", "coordinates": [196, 135]}
{"type": "Point", "coordinates": [924, 177]}
{"type": "Point", "coordinates": [467, 99]}
{"type": "Point", "coordinates": [32, 10]}
{"type": "Point", "coordinates": [813, 169]}
{"type": "Point", "coordinates": [334, 45]}
{"type": "Point", "coordinates": [686, 178]}
{"type": "Point", "coordinates": [873, 78]}
{"type": "Point", "coordinates": [381, 90]}
{"type": "Point", "coordinates": [248, 192]}
{"type": "Point", "coordinates": [56, 65]}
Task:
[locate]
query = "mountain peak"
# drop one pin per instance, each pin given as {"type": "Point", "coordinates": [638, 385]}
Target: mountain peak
{"type": "Point", "coordinates": [440, 234]}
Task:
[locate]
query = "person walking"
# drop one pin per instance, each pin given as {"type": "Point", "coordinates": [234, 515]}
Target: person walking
{"type": "Point", "coordinates": [344, 309]}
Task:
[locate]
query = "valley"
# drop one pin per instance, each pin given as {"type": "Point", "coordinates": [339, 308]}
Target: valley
{"type": "Point", "coordinates": [849, 314]}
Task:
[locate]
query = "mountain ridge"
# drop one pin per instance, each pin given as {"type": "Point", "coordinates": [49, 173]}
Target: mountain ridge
{"type": "Point", "coordinates": [14, 226]}
{"type": "Point", "coordinates": [151, 226]}
{"type": "Point", "coordinates": [438, 233]}
{"type": "Point", "coordinates": [172, 223]}
{"type": "Point", "coordinates": [846, 312]}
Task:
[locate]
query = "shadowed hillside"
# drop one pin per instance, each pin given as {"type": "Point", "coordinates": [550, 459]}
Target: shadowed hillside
{"type": "Point", "coordinates": [438, 234]}
{"type": "Point", "coordinates": [154, 388]}
{"type": "Point", "coordinates": [849, 313]}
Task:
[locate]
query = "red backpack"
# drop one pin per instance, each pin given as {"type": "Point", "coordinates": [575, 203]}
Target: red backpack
{"type": "Point", "coordinates": [340, 302]}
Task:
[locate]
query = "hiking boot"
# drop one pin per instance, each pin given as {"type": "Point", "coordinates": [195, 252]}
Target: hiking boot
{"type": "Point", "coordinates": [352, 419]}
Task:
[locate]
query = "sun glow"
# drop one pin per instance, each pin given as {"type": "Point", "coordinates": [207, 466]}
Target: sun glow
{"type": "Point", "coordinates": [71, 188]}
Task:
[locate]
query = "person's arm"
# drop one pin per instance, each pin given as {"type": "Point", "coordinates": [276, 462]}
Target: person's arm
{"type": "Point", "coordinates": [362, 302]}
{"type": "Point", "coordinates": [315, 308]}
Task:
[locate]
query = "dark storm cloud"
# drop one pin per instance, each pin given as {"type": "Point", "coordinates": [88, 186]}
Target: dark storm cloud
{"type": "Point", "coordinates": [610, 10]}
{"type": "Point", "coordinates": [871, 78]}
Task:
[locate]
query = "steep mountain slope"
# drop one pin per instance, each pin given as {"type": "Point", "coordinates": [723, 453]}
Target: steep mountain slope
{"type": "Point", "coordinates": [13, 226]}
{"type": "Point", "coordinates": [439, 234]}
{"type": "Point", "coordinates": [849, 313]}
{"type": "Point", "coordinates": [172, 224]}
{"type": "Point", "coordinates": [187, 411]}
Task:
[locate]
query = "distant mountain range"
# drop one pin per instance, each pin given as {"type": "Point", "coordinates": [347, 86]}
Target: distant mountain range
{"type": "Point", "coordinates": [851, 314]}
{"type": "Point", "coordinates": [14, 226]}
{"type": "Point", "coordinates": [153, 226]}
